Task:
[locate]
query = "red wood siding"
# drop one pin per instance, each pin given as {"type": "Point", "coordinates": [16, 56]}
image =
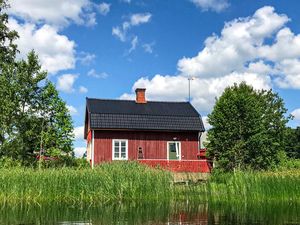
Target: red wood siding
{"type": "Point", "coordinates": [154, 144]}
{"type": "Point", "coordinates": [89, 136]}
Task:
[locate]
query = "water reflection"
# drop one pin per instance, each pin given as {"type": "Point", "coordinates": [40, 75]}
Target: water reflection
{"type": "Point", "coordinates": [146, 213]}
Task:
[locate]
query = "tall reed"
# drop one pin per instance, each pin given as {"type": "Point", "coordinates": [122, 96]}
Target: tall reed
{"type": "Point", "coordinates": [249, 187]}
{"type": "Point", "coordinates": [108, 182]}
{"type": "Point", "coordinates": [131, 181]}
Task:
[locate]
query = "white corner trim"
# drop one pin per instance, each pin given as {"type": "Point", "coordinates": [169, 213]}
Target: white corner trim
{"type": "Point", "coordinates": [93, 152]}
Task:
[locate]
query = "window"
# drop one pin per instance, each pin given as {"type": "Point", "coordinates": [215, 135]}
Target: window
{"type": "Point", "coordinates": [120, 150]}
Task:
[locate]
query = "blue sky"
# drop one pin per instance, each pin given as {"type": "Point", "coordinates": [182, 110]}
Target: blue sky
{"type": "Point", "coordinates": [105, 49]}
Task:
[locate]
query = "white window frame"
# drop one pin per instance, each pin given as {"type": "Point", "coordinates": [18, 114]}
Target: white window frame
{"type": "Point", "coordinates": [179, 150]}
{"type": "Point", "coordinates": [113, 149]}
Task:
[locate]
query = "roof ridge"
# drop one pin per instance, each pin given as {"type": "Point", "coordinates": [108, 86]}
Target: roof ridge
{"type": "Point", "coordinates": [128, 100]}
{"type": "Point", "coordinates": [140, 114]}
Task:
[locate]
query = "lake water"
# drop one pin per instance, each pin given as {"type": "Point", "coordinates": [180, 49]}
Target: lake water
{"type": "Point", "coordinates": [159, 213]}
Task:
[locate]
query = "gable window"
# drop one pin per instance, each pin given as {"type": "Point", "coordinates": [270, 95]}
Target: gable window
{"type": "Point", "coordinates": [120, 149]}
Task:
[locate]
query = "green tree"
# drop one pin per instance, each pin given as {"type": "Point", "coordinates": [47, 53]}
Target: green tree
{"type": "Point", "coordinates": [247, 128]}
{"type": "Point", "coordinates": [292, 142]}
{"type": "Point", "coordinates": [32, 115]}
{"type": "Point", "coordinates": [21, 91]}
{"type": "Point", "coordinates": [56, 125]}
{"type": "Point", "coordinates": [8, 52]}
{"type": "Point", "coordinates": [8, 49]}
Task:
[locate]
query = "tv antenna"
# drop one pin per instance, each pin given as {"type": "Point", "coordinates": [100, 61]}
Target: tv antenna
{"type": "Point", "coordinates": [190, 78]}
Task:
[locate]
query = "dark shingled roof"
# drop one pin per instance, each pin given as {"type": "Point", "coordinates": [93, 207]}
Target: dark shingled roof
{"type": "Point", "coordinates": [125, 114]}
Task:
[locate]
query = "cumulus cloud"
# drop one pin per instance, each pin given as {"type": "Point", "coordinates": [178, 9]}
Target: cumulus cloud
{"type": "Point", "coordinates": [135, 19]}
{"type": "Point", "coordinates": [207, 126]}
{"type": "Point", "coordinates": [79, 140]}
{"type": "Point", "coordinates": [56, 12]}
{"type": "Point", "coordinates": [65, 82]}
{"type": "Point", "coordinates": [214, 5]}
{"type": "Point", "coordinates": [79, 151]}
{"type": "Point", "coordinates": [259, 50]}
{"type": "Point", "coordinates": [242, 47]}
{"type": "Point", "coordinates": [73, 111]}
{"type": "Point", "coordinates": [241, 41]}
{"type": "Point", "coordinates": [296, 114]}
{"type": "Point", "coordinates": [203, 91]}
{"type": "Point", "coordinates": [288, 73]}
{"type": "Point", "coordinates": [104, 8]}
{"type": "Point", "coordinates": [83, 89]}
{"type": "Point", "coordinates": [78, 133]}
{"type": "Point", "coordinates": [56, 52]}
{"type": "Point", "coordinates": [95, 74]}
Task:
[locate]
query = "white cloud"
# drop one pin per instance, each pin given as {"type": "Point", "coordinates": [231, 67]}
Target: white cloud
{"type": "Point", "coordinates": [56, 52]}
{"type": "Point", "coordinates": [296, 114]}
{"type": "Point", "coordinates": [134, 20]}
{"type": "Point", "coordinates": [139, 18]}
{"type": "Point", "coordinates": [104, 8]}
{"type": "Point", "coordinates": [238, 54]}
{"type": "Point", "coordinates": [90, 20]}
{"type": "Point", "coordinates": [203, 91]}
{"type": "Point", "coordinates": [79, 138]}
{"type": "Point", "coordinates": [86, 58]}
{"type": "Point", "coordinates": [148, 47]}
{"type": "Point", "coordinates": [117, 31]}
{"type": "Point", "coordinates": [134, 43]}
{"type": "Point", "coordinates": [260, 67]}
{"type": "Point", "coordinates": [65, 82]}
{"type": "Point", "coordinates": [288, 73]}
{"type": "Point", "coordinates": [281, 49]}
{"type": "Point", "coordinates": [207, 126]}
{"type": "Point", "coordinates": [214, 5]}
{"type": "Point", "coordinates": [79, 151]}
{"type": "Point", "coordinates": [73, 111]}
{"type": "Point", "coordinates": [259, 50]}
{"type": "Point", "coordinates": [55, 12]}
{"type": "Point", "coordinates": [93, 73]}
{"type": "Point", "coordinates": [126, 1]}
{"type": "Point", "coordinates": [240, 42]}
{"type": "Point", "coordinates": [83, 89]}
{"type": "Point", "coordinates": [78, 133]}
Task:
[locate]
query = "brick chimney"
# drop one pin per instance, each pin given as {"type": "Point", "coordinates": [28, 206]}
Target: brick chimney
{"type": "Point", "coordinates": [140, 95]}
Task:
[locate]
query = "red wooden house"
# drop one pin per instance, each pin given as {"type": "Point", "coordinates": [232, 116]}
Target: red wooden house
{"type": "Point", "coordinates": [155, 133]}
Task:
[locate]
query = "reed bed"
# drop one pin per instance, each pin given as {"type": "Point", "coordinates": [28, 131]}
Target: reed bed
{"type": "Point", "coordinates": [108, 182]}
{"type": "Point", "coordinates": [131, 181]}
{"type": "Point", "coordinates": [255, 187]}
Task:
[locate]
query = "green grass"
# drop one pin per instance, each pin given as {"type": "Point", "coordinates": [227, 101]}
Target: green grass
{"type": "Point", "coordinates": [130, 181]}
